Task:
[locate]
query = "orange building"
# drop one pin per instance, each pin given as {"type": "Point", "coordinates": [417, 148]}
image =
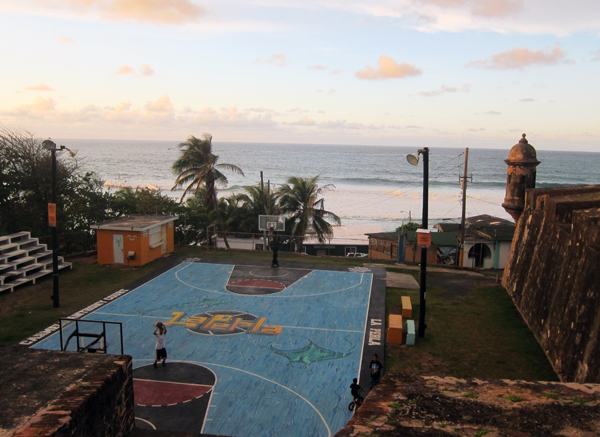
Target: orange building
{"type": "Point", "coordinates": [135, 240]}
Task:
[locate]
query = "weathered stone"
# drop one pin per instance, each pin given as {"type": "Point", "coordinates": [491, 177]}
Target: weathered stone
{"type": "Point", "coordinates": [522, 161]}
{"type": "Point", "coordinates": [51, 393]}
{"type": "Point", "coordinates": [408, 405]}
{"type": "Point", "coordinates": [553, 276]}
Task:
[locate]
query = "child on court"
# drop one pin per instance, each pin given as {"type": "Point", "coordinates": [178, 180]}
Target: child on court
{"type": "Point", "coordinates": [161, 352]}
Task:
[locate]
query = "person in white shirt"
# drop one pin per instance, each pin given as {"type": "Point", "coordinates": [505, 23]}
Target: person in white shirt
{"type": "Point", "coordinates": [161, 351]}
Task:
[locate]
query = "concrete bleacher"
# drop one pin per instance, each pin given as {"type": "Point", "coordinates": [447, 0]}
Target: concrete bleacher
{"type": "Point", "coordinates": [23, 260]}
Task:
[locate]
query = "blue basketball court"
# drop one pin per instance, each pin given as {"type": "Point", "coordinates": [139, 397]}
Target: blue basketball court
{"type": "Point", "coordinates": [252, 350]}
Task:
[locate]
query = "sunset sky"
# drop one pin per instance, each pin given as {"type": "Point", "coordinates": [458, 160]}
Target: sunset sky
{"type": "Point", "coordinates": [459, 73]}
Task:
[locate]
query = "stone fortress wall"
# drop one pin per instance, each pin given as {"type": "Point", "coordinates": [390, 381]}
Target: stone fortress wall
{"type": "Point", "coordinates": [553, 276]}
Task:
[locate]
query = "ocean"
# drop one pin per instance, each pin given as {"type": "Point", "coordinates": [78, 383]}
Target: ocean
{"type": "Point", "coordinates": [368, 185]}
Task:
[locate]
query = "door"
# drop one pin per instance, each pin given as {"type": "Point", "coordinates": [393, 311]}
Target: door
{"type": "Point", "coordinates": [163, 235]}
{"type": "Point", "coordinates": [118, 249]}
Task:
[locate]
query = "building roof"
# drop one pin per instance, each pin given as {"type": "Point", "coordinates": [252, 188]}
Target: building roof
{"type": "Point", "coordinates": [135, 222]}
{"type": "Point", "coordinates": [485, 220]}
{"type": "Point", "coordinates": [439, 239]}
{"type": "Point", "coordinates": [393, 236]}
{"type": "Point", "coordinates": [500, 234]}
{"type": "Point", "coordinates": [484, 226]}
{"type": "Point", "coordinates": [448, 227]}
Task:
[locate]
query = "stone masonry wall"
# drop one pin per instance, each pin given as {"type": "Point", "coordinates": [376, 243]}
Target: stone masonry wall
{"type": "Point", "coordinates": [99, 404]}
{"type": "Point", "coordinates": [553, 277]}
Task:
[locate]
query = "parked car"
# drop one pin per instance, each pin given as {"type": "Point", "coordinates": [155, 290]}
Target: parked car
{"type": "Point", "coordinates": [357, 255]}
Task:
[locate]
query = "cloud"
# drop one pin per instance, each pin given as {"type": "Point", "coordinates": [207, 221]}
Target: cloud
{"type": "Point", "coordinates": [125, 69]}
{"type": "Point", "coordinates": [172, 12]}
{"type": "Point", "coordinates": [443, 90]}
{"type": "Point", "coordinates": [278, 60]}
{"type": "Point", "coordinates": [149, 11]}
{"type": "Point", "coordinates": [304, 121]}
{"type": "Point", "coordinates": [297, 109]}
{"type": "Point", "coordinates": [259, 110]}
{"type": "Point", "coordinates": [163, 104]}
{"type": "Point", "coordinates": [124, 106]}
{"type": "Point", "coordinates": [39, 87]}
{"type": "Point", "coordinates": [497, 8]}
{"type": "Point", "coordinates": [336, 71]}
{"type": "Point", "coordinates": [41, 104]}
{"type": "Point", "coordinates": [493, 113]}
{"type": "Point", "coordinates": [145, 70]}
{"type": "Point", "coordinates": [517, 59]}
{"type": "Point", "coordinates": [65, 40]}
{"type": "Point", "coordinates": [412, 126]}
{"type": "Point", "coordinates": [317, 67]}
{"type": "Point", "coordinates": [596, 54]}
{"type": "Point", "coordinates": [528, 99]}
{"type": "Point", "coordinates": [388, 68]}
{"type": "Point", "coordinates": [35, 109]}
{"type": "Point", "coordinates": [321, 111]}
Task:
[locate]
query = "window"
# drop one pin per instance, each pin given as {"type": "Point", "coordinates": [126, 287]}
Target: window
{"type": "Point", "coordinates": [155, 237]}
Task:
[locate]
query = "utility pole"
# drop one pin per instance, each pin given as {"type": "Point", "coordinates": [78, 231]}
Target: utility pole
{"type": "Point", "coordinates": [262, 197]}
{"type": "Point", "coordinates": [463, 180]}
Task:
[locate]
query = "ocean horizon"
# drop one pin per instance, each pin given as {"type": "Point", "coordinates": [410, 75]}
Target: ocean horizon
{"type": "Point", "coordinates": [367, 185]}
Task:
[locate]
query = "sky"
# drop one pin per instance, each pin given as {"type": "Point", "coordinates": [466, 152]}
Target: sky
{"type": "Point", "coordinates": [437, 73]}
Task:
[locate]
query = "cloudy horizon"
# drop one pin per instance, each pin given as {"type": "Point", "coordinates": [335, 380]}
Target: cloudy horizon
{"type": "Point", "coordinates": [456, 73]}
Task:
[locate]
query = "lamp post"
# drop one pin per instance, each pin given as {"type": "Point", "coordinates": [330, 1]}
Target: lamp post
{"type": "Point", "coordinates": [413, 159]}
{"type": "Point", "coordinates": [51, 146]}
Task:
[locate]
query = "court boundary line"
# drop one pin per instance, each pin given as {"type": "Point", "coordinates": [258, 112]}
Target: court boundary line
{"type": "Point", "coordinates": [227, 292]}
{"type": "Point", "coordinates": [268, 380]}
{"type": "Point", "coordinates": [54, 328]}
{"type": "Point", "coordinates": [147, 421]}
{"type": "Point", "coordinates": [283, 326]}
{"type": "Point", "coordinates": [249, 373]}
{"type": "Point", "coordinates": [212, 391]}
{"type": "Point", "coordinates": [366, 336]}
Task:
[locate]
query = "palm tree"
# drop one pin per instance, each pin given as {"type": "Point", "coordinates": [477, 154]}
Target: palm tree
{"type": "Point", "coordinates": [198, 167]}
{"type": "Point", "coordinates": [256, 201]}
{"type": "Point", "coordinates": [301, 201]}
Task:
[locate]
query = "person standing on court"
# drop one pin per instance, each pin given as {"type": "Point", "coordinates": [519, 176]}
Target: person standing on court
{"type": "Point", "coordinates": [161, 351]}
{"type": "Point", "coordinates": [375, 367]}
{"type": "Point", "coordinates": [275, 250]}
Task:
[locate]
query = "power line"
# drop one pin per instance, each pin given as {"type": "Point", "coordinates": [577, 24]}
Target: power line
{"type": "Point", "coordinates": [473, 206]}
{"type": "Point", "coordinates": [481, 200]}
{"type": "Point", "coordinates": [369, 201]}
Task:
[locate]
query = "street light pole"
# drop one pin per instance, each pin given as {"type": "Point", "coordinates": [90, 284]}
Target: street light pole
{"type": "Point", "coordinates": [414, 160]}
{"type": "Point", "coordinates": [425, 225]}
{"type": "Point", "coordinates": [51, 146]}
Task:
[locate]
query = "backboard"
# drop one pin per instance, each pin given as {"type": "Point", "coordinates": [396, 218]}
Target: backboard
{"type": "Point", "coordinates": [91, 336]}
{"type": "Point", "coordinates": [271, 223]}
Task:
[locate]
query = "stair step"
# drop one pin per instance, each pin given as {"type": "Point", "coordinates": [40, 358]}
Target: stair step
{"type": "Point", "coordinates": [23, 260]}
{"type": "Point", "coordinates": [7, 249]}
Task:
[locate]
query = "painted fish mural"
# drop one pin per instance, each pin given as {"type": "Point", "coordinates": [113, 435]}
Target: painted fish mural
{"type": "Point", "coordinates": [311, 353]}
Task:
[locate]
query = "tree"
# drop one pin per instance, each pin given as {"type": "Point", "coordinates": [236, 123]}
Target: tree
{"type": "Point", "coordinates": [301, 201]}
{"type": "Point", "coordinates": [410, 226]}
{"type": "Point", "coordinates": [192, 223]}
{"type": "Point", "coordinates": [146, 201]}
{"type": "Point", "coordinates": [198, 166]}
{"type": "Point", "coordinates": [256, 201]}
{"type": "Point", "coordinates": [25, 191]}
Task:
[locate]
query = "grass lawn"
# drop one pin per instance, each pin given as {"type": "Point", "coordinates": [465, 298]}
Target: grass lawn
{"type": "Point", "coordinates": [472, 331]}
